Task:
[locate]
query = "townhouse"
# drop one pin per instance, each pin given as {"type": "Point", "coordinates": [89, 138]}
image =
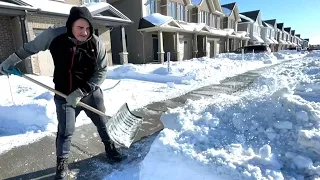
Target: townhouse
{"type": "Point", "coordinates": [185, 28]}
{"type": "Point", "coordinates": [287, 35]}
{"type": "Point", "coordinates": [281, 37]}
{"type": "Point", "coordinates": [270, 32]}
{"type": "Point", "coordinates": [252, 23]}
{"type": "Point", "coordinates": [230, 22]}
{"type": "Point", "coordinates": [22, 20]}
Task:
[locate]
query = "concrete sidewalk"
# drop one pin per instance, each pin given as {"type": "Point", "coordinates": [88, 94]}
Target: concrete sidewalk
{"type": "Point", "coordinates": [37, 160]}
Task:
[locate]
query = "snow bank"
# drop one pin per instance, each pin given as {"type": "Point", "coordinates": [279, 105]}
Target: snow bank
{"type": "Point", "coordinates": [267, 132]}
{"type": "Point", "coordinates": [267, 58]}
{"type": "Point", "coordinates": [289, 54]}
{"type": "Point", "coordinates": [194, 71]}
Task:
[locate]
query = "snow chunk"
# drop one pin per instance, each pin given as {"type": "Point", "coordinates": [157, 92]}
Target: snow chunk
{"type": "Point", "coordinates": [302, 162]}
{"type": "Point", "coordinates": [302, 116]}
{"type": "Point", "coordinates": [283, 125]}
{"type": "Point", "coordinates": [310, 139]}
{"type": "Point", "coordinates": [265, 151]}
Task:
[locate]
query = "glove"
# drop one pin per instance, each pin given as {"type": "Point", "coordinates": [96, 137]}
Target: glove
{"type": "Point", "coordinates": [9, 63]}
{"type": "Point", "coordinates": [74, 98]}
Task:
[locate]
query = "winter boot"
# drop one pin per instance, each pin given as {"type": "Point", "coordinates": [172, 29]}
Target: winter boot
{"type": "Point", "coordinates": [62, 169]}
{"type": "Point", "coordinates": [112, 153]}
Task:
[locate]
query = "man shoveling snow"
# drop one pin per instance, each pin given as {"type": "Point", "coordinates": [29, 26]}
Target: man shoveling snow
{"type": "Point", "coordinates": [80, 61]}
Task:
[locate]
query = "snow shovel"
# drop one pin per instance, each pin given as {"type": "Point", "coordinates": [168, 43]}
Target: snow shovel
{"type": "Point", "coordinates": [122, 127]}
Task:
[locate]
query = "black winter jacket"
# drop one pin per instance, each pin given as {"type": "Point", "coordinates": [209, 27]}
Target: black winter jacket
{"type": "Point", "coordinates": [76, 64]}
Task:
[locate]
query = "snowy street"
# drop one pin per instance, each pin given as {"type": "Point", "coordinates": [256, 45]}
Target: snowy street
{"type": "Point", "coordinates": [268, 129]}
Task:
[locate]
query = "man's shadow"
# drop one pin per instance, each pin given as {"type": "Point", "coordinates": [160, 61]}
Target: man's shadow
{"type": "Point", "coordinates": [97, 167]}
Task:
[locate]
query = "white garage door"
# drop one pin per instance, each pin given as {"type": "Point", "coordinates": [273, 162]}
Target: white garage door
{"type": "Point", "coordinates": [45, 60]}
{"type": "Point", "coordinates": [45, 63]}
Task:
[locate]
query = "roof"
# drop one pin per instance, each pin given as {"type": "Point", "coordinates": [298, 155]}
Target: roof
{"type": "Point", "coordinates": [103, 13]}
{"type": "Point", "coordinates": [272, 22]}
{"type": "Point", "coordinates": [298, 35]}
{"type": "Point", "coordinates": [287, 29]}
{"type": "Point", "coordinates": [266, 24]}
{"type": "Point", "coordinates": [280, 25]}
{"type": "Point", "coordinates": [245, 19]}
{"type": "Point", "coordinates": [157, 19]}
{"type": "Point", "coordinates": [15, 6]}
{"type": "Point", "coordinates": [251, 14]}
{"type": "Point", "coordinates": [293, 32]}
{"type": "Point", "coordinates": [227, 8]}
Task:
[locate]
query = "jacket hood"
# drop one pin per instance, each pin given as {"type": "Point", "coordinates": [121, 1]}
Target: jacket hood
{"type": "Point", "coordinates": [75, 14]}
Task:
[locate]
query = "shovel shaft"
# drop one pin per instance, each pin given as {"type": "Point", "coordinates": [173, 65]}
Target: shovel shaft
{"type": "Point", "coordinates": [65, 96]}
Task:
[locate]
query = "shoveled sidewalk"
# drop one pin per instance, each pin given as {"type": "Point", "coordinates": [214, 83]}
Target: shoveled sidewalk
{"type": "Point", "coordinates": [37, 160]}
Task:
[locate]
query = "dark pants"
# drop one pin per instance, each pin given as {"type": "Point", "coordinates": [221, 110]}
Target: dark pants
{"type": "Point", "coordinates": [67, 115]}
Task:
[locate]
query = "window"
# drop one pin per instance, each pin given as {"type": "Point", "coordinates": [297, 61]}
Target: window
{"type": "Point", "coordinates": [225, 22]}
{"type": "Point", "coordinates": [213, 23]}
{"type": "Point", "coordinates": [173, 10]}
{"type": "Point", "coordinates": [153, 6]}
{"type": "Point", "coordinates": [216, 20]}
{"type": "Point", "coordinates": [37, 32]}
{"type": "Point", "coordinates": [181, 12]}
{"type": "Point", "coordinates": [90, 1]}
{"type": "Point", "coordinates": [188, 18]}
{"type": "Point", "coordinates": [205, 17]}
{"type": "Point", "coordinates": [231, 24]}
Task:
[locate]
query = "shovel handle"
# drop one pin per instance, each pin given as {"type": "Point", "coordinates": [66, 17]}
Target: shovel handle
{"type": "Point", "coordinates": [64, 96]}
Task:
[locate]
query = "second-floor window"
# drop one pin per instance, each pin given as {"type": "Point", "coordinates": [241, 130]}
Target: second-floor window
{"type": "Point", "coordinates": [231, 23]}
{"type": "Point", "coordinates": [256, 29]}
{"type": "Point", "coordinates": [180, 12]}
{"type": "Point", "coordinates": [204, 17]}
{"type": "Point", "coordinates": [90, 1]}
{"type": "Point", "coordinates": [153, 6]}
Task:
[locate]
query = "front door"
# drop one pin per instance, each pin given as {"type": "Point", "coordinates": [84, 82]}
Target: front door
{"type": "Point", "coordinates": [155, 50]}
{"type": "Point", "coordinates": [212, 49]}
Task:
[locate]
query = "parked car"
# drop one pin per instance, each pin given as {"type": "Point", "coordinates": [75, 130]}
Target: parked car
{"type": "Point", "coordinates": [254, 48]}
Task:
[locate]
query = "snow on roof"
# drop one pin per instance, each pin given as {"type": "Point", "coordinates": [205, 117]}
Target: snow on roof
{"type": "Point", "coordinates": [246, 18]}
{"type": "Point", "coordinates": [158, 19]}
{"type": "Point", "coordinates": [6, 4]}
{"type": "Point", "coordinates": [268, 25]}
{"type": "Point", "coordinates": [96, 8]}
{"type": "Point", "coordinates": [196, 2]}
{"type": "Point", "coordinates": [226, 11]}
{"type": "Point", "coordinates": [50, 6]}
{"type": "Point", "coordinates": [201, 26]}
{"type": "Point", "coordinates": [241, 33]}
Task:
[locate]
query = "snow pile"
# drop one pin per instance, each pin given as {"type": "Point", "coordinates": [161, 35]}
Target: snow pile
{"type": "Point", "coordinates": [288, 54]}
{"type": "Point", "coordinates": [267, 132]}
{"type": "Point", "coordinates": [314, 54]}
{"type": "Point", "coordinates": [194, 71]}
{"type": "Point", "coordinates": [266, 58]}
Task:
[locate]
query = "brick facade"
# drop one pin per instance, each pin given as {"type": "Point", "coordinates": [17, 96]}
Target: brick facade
{"type": "Point", "coordinates": [6, 40]}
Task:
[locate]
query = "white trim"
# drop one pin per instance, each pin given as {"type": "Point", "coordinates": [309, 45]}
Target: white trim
{"type": "Point", "coordinates": [257, 38]}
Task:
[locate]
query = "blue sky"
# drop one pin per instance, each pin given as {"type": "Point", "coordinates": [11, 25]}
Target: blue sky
{"type": "Point", "coordinates": [301, 15]}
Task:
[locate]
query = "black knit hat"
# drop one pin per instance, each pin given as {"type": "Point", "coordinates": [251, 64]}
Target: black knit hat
{"type": "Point", "coordinates": [77, 13]}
